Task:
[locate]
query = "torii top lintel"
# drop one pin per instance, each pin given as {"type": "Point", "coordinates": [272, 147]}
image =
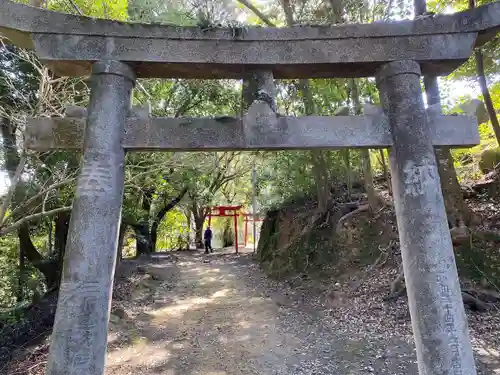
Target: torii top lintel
{"type": "Point", "coordinates": [69, 44]}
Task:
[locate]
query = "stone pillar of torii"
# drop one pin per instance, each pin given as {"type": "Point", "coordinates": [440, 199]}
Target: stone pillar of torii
{"type": "Point", "coordinates": [115, 54]}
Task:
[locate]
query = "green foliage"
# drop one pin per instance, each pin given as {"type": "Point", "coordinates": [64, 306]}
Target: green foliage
{"type": "Point", "coordinates": [478, 259]}
{"type": "Point", "coordinates": [490, 159]}
{"type": "Point", "coordinates": [215, 177]}
{"type": "Point", "coordinates": [9, 272]}
{"type": "Point", "coordinates": [19, 81]}
{"type": "Point", "coordinates": [173, 231]}
{"type": "Point", "coordinates": [110, 9]}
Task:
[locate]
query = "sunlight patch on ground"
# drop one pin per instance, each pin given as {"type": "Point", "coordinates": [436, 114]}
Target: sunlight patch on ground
{"type": "Point", "coordinates": [139, 353]}
{"type": "Point", "coordinates": [182, 306]}
{"type": "Point", "coordinates": [179, 309]}
{"type": "Point", "coordinates": [488, 355]}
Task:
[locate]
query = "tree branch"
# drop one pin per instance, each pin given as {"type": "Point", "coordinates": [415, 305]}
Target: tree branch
{"type": "Point", "coordinates": [12, 189]}
{"type": "Point", "coordinates": [40, 194]}
{"type": "Point", "coordinates": [29, 218]}
{"type": "Point", "coordinates": [75, 7]}
{"type": "Point", "coordinates": [257, 12]}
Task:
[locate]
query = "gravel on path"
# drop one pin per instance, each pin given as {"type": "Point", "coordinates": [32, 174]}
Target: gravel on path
{"type": "Point", "coordinates": [219, 314]}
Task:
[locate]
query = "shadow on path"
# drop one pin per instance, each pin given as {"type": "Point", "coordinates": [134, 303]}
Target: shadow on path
{"type": "Point", "coordinates": [217, 315]}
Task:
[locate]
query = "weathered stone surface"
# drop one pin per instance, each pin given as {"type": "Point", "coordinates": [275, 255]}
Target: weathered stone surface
{"type": "Point", "coordinates": [35, 20]}
{"type": "Point", "coordinates": [170, 58]}
{"type": "Point", "coordinates": [258, 85]}
{"type": "Point", "coordinates": [69, 44]}
{"type": "Point", "coordinates": [434, 296]}
{"type": "Point", "coordinates": [230, 133]}
{"type": "Point", "coordinates": [79, 337]}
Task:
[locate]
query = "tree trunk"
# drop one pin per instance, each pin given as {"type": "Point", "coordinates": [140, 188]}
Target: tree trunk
{"type": "Point", "coordinates": [154, 234]}
{"type": "Point", "coordinates": [60, 238]}
{"type": "Point", "coordinates": [161, 214]}
{"type": "Point", "coordinates": [9, 147]}
{"type": "Point", "coordinates": [26, 248]}
{"type": "Point", "coordinates": [321, 179]}
{"type": "Point", "coordinates": [227, 234]}
{"type": "Point", "coordinates": [368, 178]}
{"type": "Point", "coordinates": [387, 177]}
{"type": "Point", "coordinates": [61, 233]}
{"type": "Point", "coordinates": [481, 76]}
{"type": "Point", "coordinates": [317, 156]}
{"type": "Point", "coordinates": [456, 209]}
{"type": "Point", "coordinates": [48, 268]}
{"type": "Point", "coordinates": [346, 155]}
{"type": "Point", "coordinates": [20, 287]}
{"type": "Point", "coordinates": [142, 239]}
{"type": "Point", "coordinates": [321, 175]}
{"type": "Point", "coordinates": [198, 222]}
{"type": "Point", "coordinates": [365, 153]}
{"type": "Point", "coordinates": [49, 238]}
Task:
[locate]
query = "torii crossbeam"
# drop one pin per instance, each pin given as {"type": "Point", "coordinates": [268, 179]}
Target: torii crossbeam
{"type": "Point", "coordinates": [116, 53]}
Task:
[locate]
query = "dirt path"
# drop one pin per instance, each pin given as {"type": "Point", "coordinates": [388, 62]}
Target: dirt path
{"type": "Point", "coordinates": [219, 315]}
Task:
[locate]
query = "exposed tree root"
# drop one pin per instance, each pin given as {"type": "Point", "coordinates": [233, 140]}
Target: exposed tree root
{"type": "Point", "coordinates": [319, 215]}
{"type": "Point", "coordinates": [307, 228]}
{"type": "Point", "coordinates": [476, 300]}
{"type": "Point", "coordinates": [474, 303]}
{"type": "Point", "coordinates": [343, 219]}
{"type": "Point", "coordinates": [488, 296]}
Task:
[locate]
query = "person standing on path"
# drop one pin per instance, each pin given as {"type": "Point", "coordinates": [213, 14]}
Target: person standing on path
{"type": "Point", "coordinates": [207, 236]}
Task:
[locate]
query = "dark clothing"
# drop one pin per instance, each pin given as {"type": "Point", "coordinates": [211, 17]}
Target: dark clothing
{"type": "Point", "coordinates": [208, 245]}
{"type": "Point", "coordinates": [207, 236]}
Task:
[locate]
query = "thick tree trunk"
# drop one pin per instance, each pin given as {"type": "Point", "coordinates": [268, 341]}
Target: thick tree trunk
{"type": "Point", "coordinates": [198, 222]}
{"type": "Point", "coordinates": [142, 239]}
{"type": "Point", "coordinates": [60, 237]}
{"type": "Point", "coordinates": [154, 234]}
{"type": "Point", "coordinates": [48, 268]}
{"type": "Point", "coordinates": [228, 234]}
{"type": "Point", "coordinates": [456, 209]}
{"type": "Point", "coordinates": [61, 224]}
{"type": "Point", "coordinates": [161, 214]}
{"type": "Point", "coordinates": [321, 179]}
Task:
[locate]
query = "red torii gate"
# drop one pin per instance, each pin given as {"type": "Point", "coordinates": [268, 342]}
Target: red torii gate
{"type": "Point", "coordinates": [250, 218]}
{"type": "Point", "coordinates": [222, 211]}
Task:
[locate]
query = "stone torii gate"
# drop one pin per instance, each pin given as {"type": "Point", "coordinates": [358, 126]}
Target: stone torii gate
{"type": "Point", "coordinates": [116, 53]}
